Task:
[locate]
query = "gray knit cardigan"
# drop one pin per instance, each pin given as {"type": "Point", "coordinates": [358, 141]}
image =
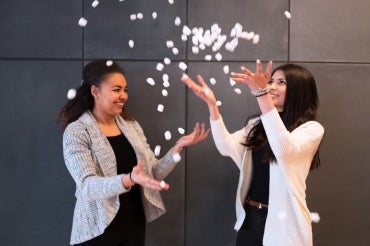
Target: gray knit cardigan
{"type": "Point", "coordinates": [92, 164]}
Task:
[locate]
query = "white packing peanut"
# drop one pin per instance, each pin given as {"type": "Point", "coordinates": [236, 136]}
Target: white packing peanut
{"type": "Point", "coordinates": [181, 130]}
{"type": "Point", "coordinates": [226, 69]}
{"type": "Point", "coordinates": [162, 184]}
{"type": "Point", "coordinates": [164, 92]}
{"type": "Point", "coordinates": [218, 103]}
{"type": "Point", "coordinates": [175, 50]}
{"type": "Point", "coordinates": [131, 43]}
{"type": "Point", "coordinates": [159, 66]}
{"type": "Point", "coordinates": [82, 22]}
{"type": "Point", "coordinates": [256, 39]}
{"type": "Point", "coordinates": [287, 14]}
{"type": "Point", "coordinates": [237, 91]}
{"type": "Point", "coordinates": [109, 63]}
{"type": "Point", "coordinates": [176, 157]}
{"type": "Point", "coordinates": [71, 94]}
{"type": "Point", "coordinates": [169, 43]}
{"type": "Point", "coordinates": [154, 15]}
{"type": "Point", "coordinates": [150, 81]}
{"type": "Point", "coordinates": [157, 150]}
{"type": "Point", "coordinates": [95, 3]}
{"type": "Point", "coordinates": [183, 66]}
{"type": "Point", "coordinates": [212, 81]}
{"type": "Point", "coordinates": [160, 108]}
{"type": "Point", "coordinates": [177, 21]}
{"type": "Point", "coordinates": [167, 135]}
{"type": "Point", "coordinates": [167, 61]}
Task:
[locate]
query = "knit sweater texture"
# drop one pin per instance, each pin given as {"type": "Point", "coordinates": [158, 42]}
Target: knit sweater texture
{"type": "Point", "coordinates": [91, 162]}
{"type": "Point", "coordinates": [288, 221]}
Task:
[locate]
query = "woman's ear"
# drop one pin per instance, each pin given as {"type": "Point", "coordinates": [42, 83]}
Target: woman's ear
{"type": "Point", "coordinates": [94, 91]}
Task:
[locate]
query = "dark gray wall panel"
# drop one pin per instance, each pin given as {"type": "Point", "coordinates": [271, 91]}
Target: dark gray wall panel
{"type": "Point", "coordinates": [263, 17]}
{"type": "Point", "coordinates": [337, 190]}
{"type": "Point", "coordinates": [142, 103]}
{"type": "Point", "coordinates": [330, 31]}
{"type": "Point", "coordinates": [109, 30]}
{"type": "Point", "coordinates": [36, 189]}
{"type": "Point", "coordinates": [40, 29]}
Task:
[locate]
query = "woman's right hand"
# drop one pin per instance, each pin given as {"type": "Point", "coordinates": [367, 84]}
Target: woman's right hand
{"type": "Point", "coordinates": [203, 92]}
{"type": "Point", "coordinates": [140, 178]}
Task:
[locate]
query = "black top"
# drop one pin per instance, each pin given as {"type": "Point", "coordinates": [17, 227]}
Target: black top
{"type": "Point", "coordinates": [130, 219]}
{"type": "Point", "coordinates": [260, 183]}
{"type": "Point", "coordinates": [259, 187]}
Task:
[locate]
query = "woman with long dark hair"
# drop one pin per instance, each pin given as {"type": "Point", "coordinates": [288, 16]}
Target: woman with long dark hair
{"type": "Point", "coordinates": [274, 153]}
{"type": "Point", "coordinates": [116, 173]}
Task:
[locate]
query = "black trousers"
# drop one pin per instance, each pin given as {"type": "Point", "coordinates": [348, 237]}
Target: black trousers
{"type": "Point", "coordinates": [253, 228]}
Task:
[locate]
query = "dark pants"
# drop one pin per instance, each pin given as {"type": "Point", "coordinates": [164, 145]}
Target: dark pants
{"type": "Point", "coordinates": [252, 230]}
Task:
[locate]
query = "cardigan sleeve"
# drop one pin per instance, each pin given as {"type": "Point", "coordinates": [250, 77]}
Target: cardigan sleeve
{"type": "Point", "coordinates": [89, 179]}
{"type": "Point", "coordinates": [229, 144]}
{"type": "Point", "coordinates": [304, 140]}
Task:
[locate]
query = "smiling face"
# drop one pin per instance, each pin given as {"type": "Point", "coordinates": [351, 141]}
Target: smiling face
{"type": "Point", "coordinates": [278, 86]}
{"type": "Point", "coordinates": [111, 96]}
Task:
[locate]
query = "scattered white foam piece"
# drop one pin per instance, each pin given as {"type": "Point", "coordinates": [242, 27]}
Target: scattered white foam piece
{"type": "Point", "coordinates": [184, 37]}
{"type": "Point", "coordinates": [169, 43]}
{"type": "Point", "coordinates": [256, 39]}
{"type": "Point", "coordinates": [162, 184]}
{"type": "Point", "coordinates": [157, 150]}
{"type": "Point", "coordinates": [133, 17]}
{"type": "Point", "coordinates": [140, 16]}
{"type": "Point", "coordinates": [171, 1]}
{"type": "Point", "coordinates": [315, 217]}
{"type": "Point", "coordinates": [167, 135]}
{"type": "Point", "coordinates": [218, 103]}
{"type": "Point", "coordinates": [159, 66]}
{"type": "Point", "coordinates": [208, 57]}
{"type": "Point", "coordinates": [109, 63]}
{"type": "Point", "coordinates": [183, 66]}
{"type": "Point", "coordinates": [232, 82]}
{"type": "Point", "coordinates": [150, 81]}
{"type": "Point", "coordinates": [154, 15]}
{"type": "Point", "coordinates": [287, 14]}
{"type": "Point", "coordinates": [218, 56]}
{"type": "Point", "coordinates": [71, 94]}
{"type": "Point", "coordinates": [176, 157]}
{"type": "Point", "coordinates": [186, 30]}
{"type": "Point", "coordinates": [164, 92]}
{"type": "Point", "coordinates": [82, 22]}
{"type": "Point", "coordinates": [160, 108]}
{"type": "Point", "coordinates": [195, 49]}
{"type": "Point", "coordinates": [165, 77]}
{"type": "Point", "coordinates": [226, 69]}
{"type": "Point", "coordinates": [175, 51]}
{"type": "Point", "coordinates": [131, 43]}
{"type": "Point", "coordinates": [167, 61]}
{"type": "Point", "coordinates": [212, 81]}
{"type": "Point", "coordinates": [237, 91]}
{"type": "Point", "coordinates": [95, 3]}
{"type": "Point", "coordinates": [181, 130]}
{"type": "Point", "coordinates": [177, 21]}
{"type": "Point", "coordinates": [166, 83]}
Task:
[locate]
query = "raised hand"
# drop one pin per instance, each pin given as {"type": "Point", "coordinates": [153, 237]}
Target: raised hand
{"type": "Point", "coordinates": [140, 178]}
{"type": "Point", "coordinates": [254, 80]}
{"type": "Point", "coordinates": [199, 134]}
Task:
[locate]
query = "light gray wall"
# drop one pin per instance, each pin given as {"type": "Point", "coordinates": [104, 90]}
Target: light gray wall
{"type": "Point", "coordinates": [42, 52]}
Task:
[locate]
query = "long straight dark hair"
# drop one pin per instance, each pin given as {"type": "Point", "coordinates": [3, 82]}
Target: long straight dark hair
{"type": "Point", "coordinates": [94, 73]}
{"type": "Point", "coordinates": [300, 105]}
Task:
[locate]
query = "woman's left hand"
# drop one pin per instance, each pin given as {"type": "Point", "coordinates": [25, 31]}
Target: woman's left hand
{"type": "Point", "coordinates": [199, 134]}
{"type": "Point", "coordinates": [254, 80]}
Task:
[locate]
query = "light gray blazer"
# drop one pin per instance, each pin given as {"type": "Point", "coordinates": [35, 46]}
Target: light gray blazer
{"type": "Point", "coordinates": [92, 164]}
